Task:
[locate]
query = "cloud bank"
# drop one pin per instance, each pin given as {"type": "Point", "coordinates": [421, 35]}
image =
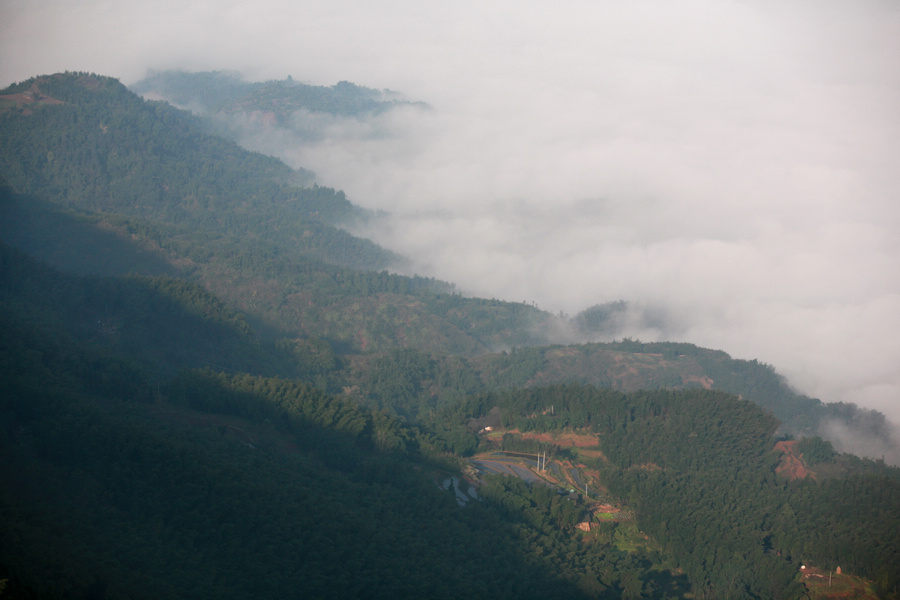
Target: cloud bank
{"type": "Point", "coordinates": [731, 165]}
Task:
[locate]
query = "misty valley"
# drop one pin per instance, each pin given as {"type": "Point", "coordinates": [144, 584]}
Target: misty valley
{"type": "Point", "coordinates": [212, 387]}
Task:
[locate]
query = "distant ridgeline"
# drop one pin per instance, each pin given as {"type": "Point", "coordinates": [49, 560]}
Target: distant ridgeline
{"type": "Point", "coordinates": [238, 109]}
{"type": "Point", "coordinates": [208, 388]}
{"type": "Point", "coordinates": [217, 91]}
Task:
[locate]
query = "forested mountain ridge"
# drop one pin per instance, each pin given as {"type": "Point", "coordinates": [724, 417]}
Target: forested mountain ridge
{"type": "Point", "coordinates": [626, 365]}
{"type": "Point", "coordinates": [96, 175]}
{"type": "Point", "coordinates": [230, 218]}
{"type": "Point", "coordinates": [631, 365]}
{"type": "Point", "coordinates": [95, 169]}
{"type": "Point", "coordinates": [215, 91]}
{"type": "Point", "coordinates": [220, 97]}
{"type": "Point", "coordinates": [102, 148]}
{"type": "Point", "coordinates": [220, 395]}
{"type": "Point", "coordinates": [698, 470]}
{"type": "Point", "coordinates": [128, 482]}
{"type": "Point", "coordinates": [256, 113]}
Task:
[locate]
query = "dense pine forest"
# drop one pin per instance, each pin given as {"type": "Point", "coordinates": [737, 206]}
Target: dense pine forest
{"type": "Point", "coordinates": [209, 388]}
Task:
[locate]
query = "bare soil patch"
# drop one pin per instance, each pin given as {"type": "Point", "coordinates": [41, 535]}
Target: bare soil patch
{"type": "Point", "coordinates": [32, 96]}
{"type": "Point", "coordinates": [832, 585]}
{"type": "Point", "coordinates": [704, 381]}
{"type": "Point", "coordinates": [791, 465]}
{"type": "Point", "coordinates": [579, 440]}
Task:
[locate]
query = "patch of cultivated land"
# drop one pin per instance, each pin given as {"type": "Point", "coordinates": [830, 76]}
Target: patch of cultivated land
{"type": "Point", "coordinates": [833, 585]}
{"type": "Point", "coordinates": [587, 444]}
{"type": "Point", "coordinates": [32, 96]}
{"type": "Point", "coordinates": [568, 439]}
{"type": "Point", "coordinates": [562, 473]}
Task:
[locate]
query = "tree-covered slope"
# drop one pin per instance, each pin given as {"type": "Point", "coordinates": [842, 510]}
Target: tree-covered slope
{"type": "Point", "coordinates": [99, 147]}
{"type": "Point", "coordinates": [124, 478]}
{"type": "Point", "coordinates": [421, 381]}
{"type": "Point", "coordinates": [632, 365]}
{"type": "Point", "coordinates": [262, 114]}
{"type": "Point", "coordinates": [220, 92]}
{"type": "Point", "coordinates": [231, 219]}
{"type": "Point", "coordinates": [697, 467]}
{"type": "Point", "coordinates": [76, 242]}
{"type": "Point", "coordinates": [109, 494]}
{"type": "Point", "coordinates": [100, 181]}
{"type": "Point", "coordinates": [209, 389]}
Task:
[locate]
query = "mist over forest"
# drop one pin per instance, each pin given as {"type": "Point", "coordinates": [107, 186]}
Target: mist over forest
{"type": "Point", "coordinates": [720, 174]}
{"type": "Point", "coordinates": [726, 167]}
{"type": "Point", "coordinates": [209, 386]}
{"type": "Point", "coordinates": [750, 270]}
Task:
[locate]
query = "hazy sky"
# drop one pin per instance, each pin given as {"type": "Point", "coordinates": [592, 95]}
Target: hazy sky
{"type": "Point", "coordinates": [733, 166]}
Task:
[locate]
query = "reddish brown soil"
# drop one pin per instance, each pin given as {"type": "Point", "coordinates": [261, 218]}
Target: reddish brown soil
{"type": "Point", "coordinates": [791, 466]}
{"type": "Point", "coordinates": [32, 96]}
{"type": "Point", "coordinates": [630, 369]}
{"type": "Point", "coordinates": [564, 440]}
{"type": "Point", "coordinates": [704, 381]}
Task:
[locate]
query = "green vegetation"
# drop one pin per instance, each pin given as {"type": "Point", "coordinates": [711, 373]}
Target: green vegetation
{"type": "Point", "coordinates": [217, 91]}
{"type": "Point", "coordinates": [209, 389]}
{"type": "Point", "coordinates": [815, 450]}
{"type": "Point", "coordinates": [696, 467]}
